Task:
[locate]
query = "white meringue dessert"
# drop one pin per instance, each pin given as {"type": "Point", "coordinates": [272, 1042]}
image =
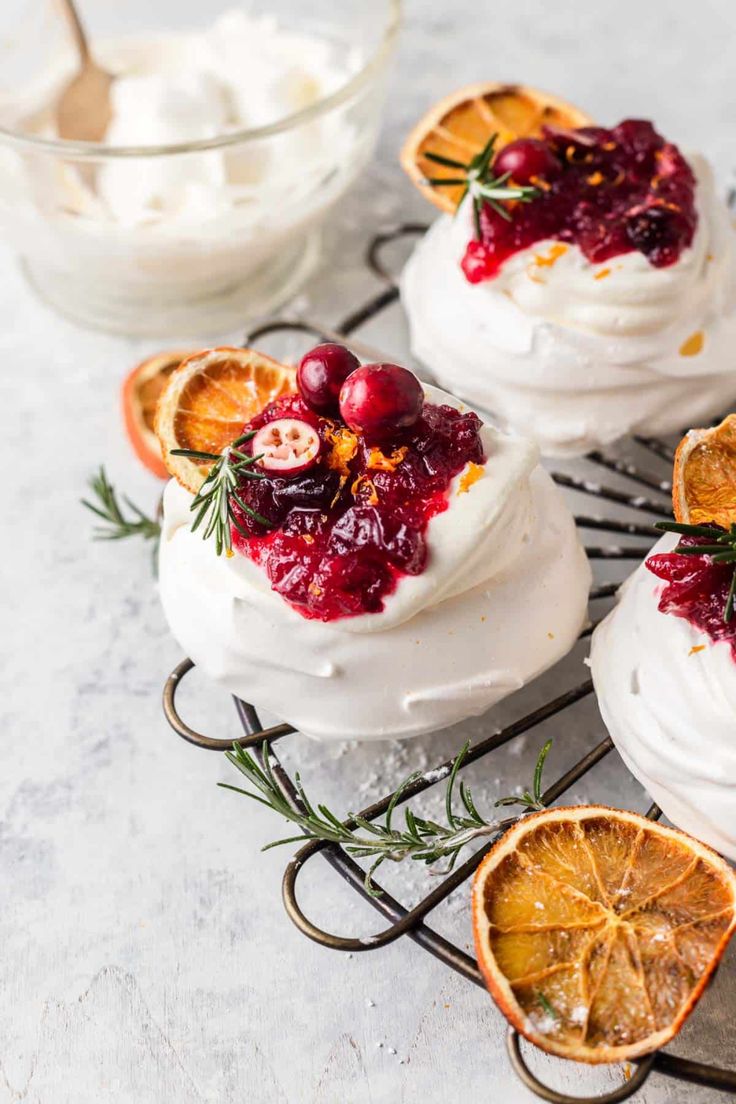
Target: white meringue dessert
{"type": "Point", "coordinates": [502, 597]}
{"type": "Point", "coordinates": [667, 694]}
{"type": "Point", "coordinates": [580, 353]}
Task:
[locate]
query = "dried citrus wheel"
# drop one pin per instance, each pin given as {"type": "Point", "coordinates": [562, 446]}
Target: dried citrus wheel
{"type": "Point", "coordinates": [208, 400]}
{"type": "Point", "coordinates": [704, 483]}
{"type": "Point", "coordinates": [597, 930]}
{"type": "Point", "coordinates": [141, 390]}
{"type": "Point", "coordinates": [459, 126]}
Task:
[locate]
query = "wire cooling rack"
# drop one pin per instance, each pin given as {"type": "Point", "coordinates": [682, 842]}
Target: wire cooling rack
{"type": "Point", "coordinates": [635, 510]}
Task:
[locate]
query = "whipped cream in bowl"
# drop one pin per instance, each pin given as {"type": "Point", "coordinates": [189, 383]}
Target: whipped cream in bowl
{"type": "Point", "coordinates": [227, 146]}
{"type": "Point", "coordinates": [579, 351]}
{"type": "Point", "coordinates": [469, 620]}
{"type": "Point", "coordinates": [667, 694]}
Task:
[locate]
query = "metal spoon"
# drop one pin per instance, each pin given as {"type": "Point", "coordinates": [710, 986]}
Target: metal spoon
{"type": "Point", "coordinates": [83, 108]}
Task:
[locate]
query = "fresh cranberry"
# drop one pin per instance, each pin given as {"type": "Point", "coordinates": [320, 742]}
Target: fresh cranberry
{"type": "Point", "coordinates": [343, 533]}
{"type": "Point", "coordinates": [379, 400]}
{"type": "Point", "coordinates": [286, 446]}
{"type": "Point", "coordinates": [321, 373]}
{"type": "Point", "coordinates": [525, 159]}
{"type": "Point", "coordinates": [614, 191]}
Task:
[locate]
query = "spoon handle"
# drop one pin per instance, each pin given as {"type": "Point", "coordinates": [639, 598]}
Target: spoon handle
{"type": "Point", "coordinates": [70, 13]}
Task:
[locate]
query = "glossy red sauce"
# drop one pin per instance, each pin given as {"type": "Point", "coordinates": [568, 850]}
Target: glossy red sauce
{"type": "Point", "coordinates": [617, 191]}
{"type": "Point", "coordinates": [348, 529]}
{"type": "Point", "coordinates": [696, 589]}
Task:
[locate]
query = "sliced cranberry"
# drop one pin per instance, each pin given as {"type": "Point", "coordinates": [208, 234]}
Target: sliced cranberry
{"type": "Point", "coordinates": [321, 373]}
{"type": "Point", "coordinates": [287, 446]}
{"type": "Point", "coordinates": [525, 159]}
{"type": "Point", "coordinates": [379, 400]}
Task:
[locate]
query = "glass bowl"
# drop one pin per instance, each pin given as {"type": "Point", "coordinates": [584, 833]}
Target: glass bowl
{"type": "Point", "coordinates": [188, 237]}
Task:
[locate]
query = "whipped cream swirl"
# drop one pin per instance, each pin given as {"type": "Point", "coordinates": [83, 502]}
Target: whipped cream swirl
{"type": "Point", "coordinates": [574, 353]}
{"type": "Point", "coordinates": [667, 694]}
{"type": "Point", "coordinates": [503, 597]}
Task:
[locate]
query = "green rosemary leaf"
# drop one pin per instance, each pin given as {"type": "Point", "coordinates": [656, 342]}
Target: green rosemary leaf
{"type": "Point", "coordinates": [689, 530]}
{"type": "Point", "coordinates": [244, 437]}
{"type": "Point", "coordinates": [281, 842]}
{"type": "Point", "coordinates": [250, 511]}
{"type": "Point", "coordinates": [500, 209]}
{"type": "Point", "coordinates": [439, 159]}
{"type": "Point", "coordinates": [368, 882]}
{"type": "Point", "coordinates": [444, 181]}
{"type": "Point", "coordinates": [397, 795]}
{"type": "Point", "coordinates": [467, 799]}
{"type": "Point", "coordinates": [105, 505]}
{"type": "Point", "coordinates": [451, 783]}
{"type": "Point", "coordinates": [245, 793]}
{"type": "Point", "coordinates": [303, 797]}
{"type": "Point", "coordinates": [332, 819]}
{"type": "Point", "coordinates": [538, 771]}
{"type": "Point", "coordinates": [366, 825]}
{"type": "Point", "coordinates": [730, 600]}
{"type": "Point", "coordinates": [194, 454]}
{"type": "Point", "coordinates": [428, 827]}
{"type": "Point", "coordinates": [699, 549]}
{"type": "Point", "coordinates": [476, 218]}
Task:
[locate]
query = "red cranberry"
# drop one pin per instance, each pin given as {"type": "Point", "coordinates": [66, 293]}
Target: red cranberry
{"type": "Point", "coordinates": [526, 158]}
{"type": "Point", "coordinates": [379, 399]}
{"type": "Point", "coordinates": [321, 373]}
{"type": "Point", "coordinates": [287, 446]}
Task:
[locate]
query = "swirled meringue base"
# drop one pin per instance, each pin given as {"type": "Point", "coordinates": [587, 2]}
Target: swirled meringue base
{"type": "Point", "coordinates": [670, 710]}
{"type": "Point", "coordinates": [449, 644]}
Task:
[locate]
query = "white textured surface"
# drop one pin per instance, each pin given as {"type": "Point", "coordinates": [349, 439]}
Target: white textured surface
{"type": "Point", "coordinates": [146, 957]}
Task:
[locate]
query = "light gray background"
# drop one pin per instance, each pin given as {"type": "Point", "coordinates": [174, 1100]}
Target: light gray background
{"type": "Point", "coordinates": [145, 953]}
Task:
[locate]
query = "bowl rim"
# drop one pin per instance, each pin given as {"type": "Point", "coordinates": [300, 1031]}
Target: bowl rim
{"type": "Point", "coordinates": [83, 151]}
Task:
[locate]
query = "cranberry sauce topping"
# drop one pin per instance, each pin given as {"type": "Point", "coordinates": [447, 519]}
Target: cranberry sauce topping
{"type": "Point", "coordinates": [697, 589]}
{"type": "Point", "coordinates": [346, 530]}
{"type": "Point", "coordinates": [612, 192]}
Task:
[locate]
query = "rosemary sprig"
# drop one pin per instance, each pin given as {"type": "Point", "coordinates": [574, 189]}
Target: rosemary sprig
{"type": "Point", "coordinates": [107, 506]}
{"type": "Point", "coordinates": [478, 179]}
{"type": "Point", "coordinates": [721, 549]}
{"type": "Point", "coordinates": [420, 839]}
{"type": "Point", "coordinates": [213, 502]}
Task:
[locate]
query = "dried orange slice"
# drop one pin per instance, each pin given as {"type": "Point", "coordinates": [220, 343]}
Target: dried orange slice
{"type": "Point", "coordinates": [459, 126]}
{"type": "Point", "coordinates": [141, 391]}
{"type": "Point", "coordinates": [597, 930]}
{"type": "Point", "coordinates": [704, 483]}
{"type": "Point", "coordinates": [208, 400]}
